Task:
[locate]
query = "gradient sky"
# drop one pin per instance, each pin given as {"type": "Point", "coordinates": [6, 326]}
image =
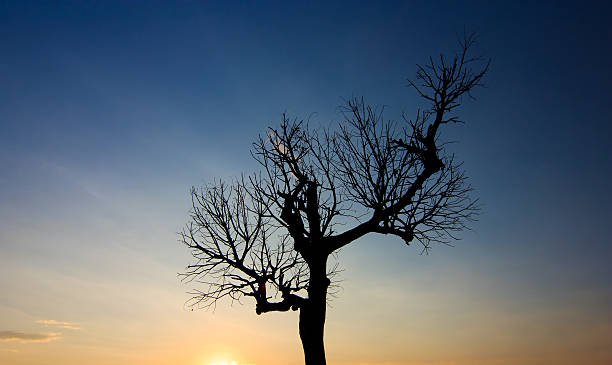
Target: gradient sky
{"type": "Point", "coordinates": [111, 111]}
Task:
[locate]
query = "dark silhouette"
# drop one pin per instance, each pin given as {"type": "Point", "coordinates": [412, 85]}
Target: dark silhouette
{"type": "Point", "coordinates": [321, 189]}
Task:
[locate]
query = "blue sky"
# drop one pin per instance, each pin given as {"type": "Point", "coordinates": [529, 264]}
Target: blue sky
{"type": "Point", "coordinates": [111, 111]}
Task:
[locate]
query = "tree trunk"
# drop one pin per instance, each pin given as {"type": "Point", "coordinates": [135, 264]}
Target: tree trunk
{"type": "Point", "coordinates": [312, 316]}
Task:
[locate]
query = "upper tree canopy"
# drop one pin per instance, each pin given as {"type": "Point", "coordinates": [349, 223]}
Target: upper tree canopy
{"type": "Point", "coordinates": [321, 189]}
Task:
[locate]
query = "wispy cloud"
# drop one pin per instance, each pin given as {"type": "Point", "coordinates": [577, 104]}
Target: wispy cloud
{"type": "Point", "coordinates": [28, 337]}
{"type": "Point", "coordinates": [52, 322]}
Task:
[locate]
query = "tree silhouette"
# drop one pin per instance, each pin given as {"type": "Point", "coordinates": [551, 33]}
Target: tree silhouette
{"type": "Point", "coordinates": [269, 236]}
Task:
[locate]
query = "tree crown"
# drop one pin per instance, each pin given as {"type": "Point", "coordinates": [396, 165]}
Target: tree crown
{"type": "Point", "coordinates": [320, 189]}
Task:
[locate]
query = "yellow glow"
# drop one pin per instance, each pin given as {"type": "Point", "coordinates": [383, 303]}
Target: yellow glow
{"type": "Point", "coordinates": [224, 363]}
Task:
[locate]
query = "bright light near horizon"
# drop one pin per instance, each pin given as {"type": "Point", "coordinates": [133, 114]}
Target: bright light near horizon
{"type": "Point", "coordinates": [224, 363]}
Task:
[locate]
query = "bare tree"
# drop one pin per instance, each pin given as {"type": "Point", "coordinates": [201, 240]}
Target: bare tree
{"type": "Point", "coordinates": [269, 236]}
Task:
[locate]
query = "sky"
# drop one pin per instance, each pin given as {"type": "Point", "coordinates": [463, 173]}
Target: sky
{"type": "Point", "coordinates": [111, 111]}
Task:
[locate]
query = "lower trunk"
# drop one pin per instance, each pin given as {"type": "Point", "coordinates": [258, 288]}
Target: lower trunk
{"type": "Point", "coordinates": [312, 323]}
{"type": "Point", "coordinates": [312, 318]}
